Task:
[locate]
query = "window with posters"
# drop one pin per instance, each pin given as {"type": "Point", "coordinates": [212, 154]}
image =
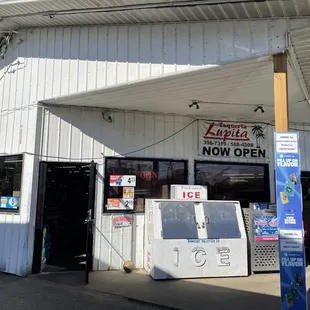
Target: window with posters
{"type": "Point", "coordinates": [129, 181]}
{"type": "Point", "coordinates": [234, 181]}
{"type": "Point", "coordinates": [10, 182]}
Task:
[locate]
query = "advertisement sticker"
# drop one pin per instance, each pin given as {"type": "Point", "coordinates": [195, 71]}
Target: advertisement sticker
{"type": "Point", "coordinates": [120, 221]}
{"type": "Point", "coordinates": [290, 224]}
{"type": "Point", "coordinates": [265, 228]}
{"type": "Point", "coordinates": [10, 203]}
{"type": "Point", "coordinates": [128, 192]}
{"type": "Point", "coordinates": [119, 204]}
{"type": "Point", "coordinates": [122, 180]}
{"type": "Point", "coordinates": [231, 139]}
{"type": "Point", "coordinates": [264, 206]}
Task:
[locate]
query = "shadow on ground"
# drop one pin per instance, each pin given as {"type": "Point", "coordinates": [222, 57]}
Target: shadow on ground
{"type": "Point", "coordinates": [225, 294]}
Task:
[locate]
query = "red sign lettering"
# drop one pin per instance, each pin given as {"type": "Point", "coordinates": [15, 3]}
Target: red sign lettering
{"type": "Point", "coordinates": [227, 132]}
{"type": "Point", "coordinates": [191, 195]}
{"type": "Point", "coordinates": [148, 175]}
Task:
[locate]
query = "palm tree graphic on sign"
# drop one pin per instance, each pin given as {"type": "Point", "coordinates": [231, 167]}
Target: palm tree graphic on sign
{"type": "Point", "coordinates": [258, 132]}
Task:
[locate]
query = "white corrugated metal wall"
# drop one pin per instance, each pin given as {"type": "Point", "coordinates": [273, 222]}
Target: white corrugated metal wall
{"type": "Point", "coordinates": [44, 63]}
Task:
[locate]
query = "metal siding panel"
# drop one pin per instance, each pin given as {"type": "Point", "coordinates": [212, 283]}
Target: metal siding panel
{"type": "Point", "coordinates": [182, 46]}
{"type": "Point", "coordinates": [138, 240]}
{"type": "Point", "coordinates": [157, 50]}
{"type": "Point", "coordinates": [58, 62]}
{"type": "Point", "coordinates": [50, 63]}
{"type": "Point", "coordinates": [112, 55]}
{"type": "Point", "coordinates": [106, 245]}
{"type": "Point", "coordinates": [149, 134]}
{"type": "Point", "coordinates": [242, 40]}
{"type": "Point", "coordinates": [145, 51]}
{"type": "Point", "coordinates": [116, 244]}
{"type": "Point", "coordinates": [196, 44]}
{"type": "Point", "coordinates": [92, 73]}
{"type": "Point", "coordinates": [160, 133]}
{"type": "Point", "coordinates": [139, 136]}
{"type": "Point", "coordinates": [41, 69]}
{"type": "Point", "coordinates": [226, 42]}
{"type": "Point", "coordinates": [122, 55]}
{"type": "Point", "coordinates": [65, 62]}
{"type": "Point", "coordinates": [169, 48]}
{"type": "Point", "coordinates": [277, 35]}
{"type": "Point", "coordinates": [260, 37]}
{"type": "Point", "coordinates": [87, 138]}
{"type": "Point", "coordinates": [74, 63]}
{"type": "Point", "coordinates": [102, 57]}
{"type": "Point", "coordinates": [83, 59]}
{"type": "Point", "coordinates": [212, 45]}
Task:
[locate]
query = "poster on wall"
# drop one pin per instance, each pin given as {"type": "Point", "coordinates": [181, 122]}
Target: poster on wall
{"type": "Point", "coordinates": [265, 228]}
{"type": "Point", "coordinates": [290, 224]}
{"type": "Point", "coordinates": [128, 192]}
{"type": "Point", "coordinates": [263, 206]}
{"type": "Point", "coordinates": [232, 139]}
{"type": "Point", "coordinates": [120, 204]}
{"type": "Point", "coordinates": [9, 203]}
{"type": "Point", "coordinates": [122, 180]}
{"type": "Point", "coordinates": [121, 221]}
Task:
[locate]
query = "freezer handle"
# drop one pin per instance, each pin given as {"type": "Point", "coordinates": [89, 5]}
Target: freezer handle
{"type": "Point", "coordinates": [207, 219]}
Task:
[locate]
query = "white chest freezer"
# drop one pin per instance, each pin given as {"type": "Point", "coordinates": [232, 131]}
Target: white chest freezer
{"type": "Point", "coordinates": [185, 239]}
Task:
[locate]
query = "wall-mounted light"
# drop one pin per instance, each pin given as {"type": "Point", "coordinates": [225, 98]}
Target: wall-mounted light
{"type": "Point", "coordinates": [194, 103]}
{"type": "Point", "coordinates": [259, 108]}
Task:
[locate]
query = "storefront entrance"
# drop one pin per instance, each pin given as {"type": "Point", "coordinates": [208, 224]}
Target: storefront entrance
{"type": "Point", "coordinates": [63, 221]}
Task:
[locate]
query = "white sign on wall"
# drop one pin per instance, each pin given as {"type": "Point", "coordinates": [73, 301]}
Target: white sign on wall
{"type": "Point", "coordinates": [232, 139]}
{"type": "Point", "coordinates": [188, 192]}
{"type": "Point", "coordinates": [122, 180]}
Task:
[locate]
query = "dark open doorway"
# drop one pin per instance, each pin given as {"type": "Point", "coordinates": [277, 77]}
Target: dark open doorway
{"type": "Point", "coordinates": [63, 205]}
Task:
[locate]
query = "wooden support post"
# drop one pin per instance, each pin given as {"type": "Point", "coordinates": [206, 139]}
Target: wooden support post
{"type": "Point", "coordinates": [280, 92]}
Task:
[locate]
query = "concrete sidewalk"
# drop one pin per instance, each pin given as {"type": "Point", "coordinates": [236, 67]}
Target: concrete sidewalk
{"type": "Point", "coordinates": [256, 292]}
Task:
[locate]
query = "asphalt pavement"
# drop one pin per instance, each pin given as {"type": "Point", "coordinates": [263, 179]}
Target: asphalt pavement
{"type": "Point", "coordinates": [37, 293]}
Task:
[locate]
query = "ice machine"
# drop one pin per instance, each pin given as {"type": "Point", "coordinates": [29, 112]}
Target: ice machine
{"type": "Point", "coordinates": [194, 239]}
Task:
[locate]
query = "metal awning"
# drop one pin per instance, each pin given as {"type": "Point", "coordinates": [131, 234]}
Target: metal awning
{"type": "Point", "coordinates": [16, 14]}
{"type": "Point", "coordinates": [228, 91]}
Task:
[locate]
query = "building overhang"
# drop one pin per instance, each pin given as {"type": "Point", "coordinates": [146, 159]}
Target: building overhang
{"type": "Point", "coordinates": [15, 14]}
{"type": "Point", "coordinates": [229, 91]}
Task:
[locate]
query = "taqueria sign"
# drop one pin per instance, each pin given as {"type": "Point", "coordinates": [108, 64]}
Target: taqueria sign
{"type": "Point", "coordinates": [228, 139]}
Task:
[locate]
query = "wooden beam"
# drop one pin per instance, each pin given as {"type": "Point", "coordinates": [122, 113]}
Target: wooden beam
{"type": "Point", "coordinates": [280, 92]}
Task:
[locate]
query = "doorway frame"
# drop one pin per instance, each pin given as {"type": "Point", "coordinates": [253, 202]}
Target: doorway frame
{"type": "Point", "coordinates": [37, 248]}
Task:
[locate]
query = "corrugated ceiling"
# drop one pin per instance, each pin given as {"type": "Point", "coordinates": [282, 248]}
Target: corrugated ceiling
{"type": "Point", "coordinates": [300, 40]}
{"type": "Point", "coordinates": [31, 13]}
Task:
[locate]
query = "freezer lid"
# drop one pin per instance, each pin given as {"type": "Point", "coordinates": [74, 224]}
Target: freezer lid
{"type": "Point", "coordinates": [178, 220]}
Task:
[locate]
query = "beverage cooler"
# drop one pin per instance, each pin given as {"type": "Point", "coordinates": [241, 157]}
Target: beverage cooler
{"type": "Point", "coordinates": [194, 239]}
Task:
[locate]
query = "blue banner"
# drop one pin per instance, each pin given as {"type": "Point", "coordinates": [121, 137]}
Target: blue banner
{"type": "Point", "coordinates": [290, 224]}
{"type": "Point", "coordinates": [265, 228]}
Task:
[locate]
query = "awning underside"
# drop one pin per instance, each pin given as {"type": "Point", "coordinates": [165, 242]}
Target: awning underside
{"type": "Point", "coordinates": [228, 91]}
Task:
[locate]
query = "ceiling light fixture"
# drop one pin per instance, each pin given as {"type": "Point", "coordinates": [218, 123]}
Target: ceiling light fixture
{"type": "Point", "coordinates": [194, 103]}
{"type": "Point", "coordinates": [259, 107]}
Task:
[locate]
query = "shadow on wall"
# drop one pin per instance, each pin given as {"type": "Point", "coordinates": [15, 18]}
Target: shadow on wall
{"type": "Point", "coordinates": [127, 133]}
{"type": "Point", "coordinates": [14, 246]}
{"type": "Point", "coordinates": [158, 43]}
{"type": "Point", "coordinates": [211, 294]}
